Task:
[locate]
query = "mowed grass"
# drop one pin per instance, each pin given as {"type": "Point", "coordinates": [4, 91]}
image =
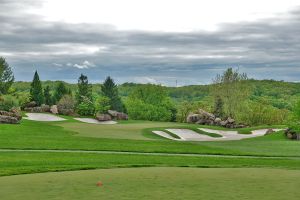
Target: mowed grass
{"type": "Point", "coordinates": [33, 162]}
{"type": "Point", "coordinates": [155, 183]}
{"type": "Point", "coordinates": [43, 135]}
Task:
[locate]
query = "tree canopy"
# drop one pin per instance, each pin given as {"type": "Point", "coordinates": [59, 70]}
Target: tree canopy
{"type": "Point", "coordinates": [110, 90]}
{"type": "Point", "coordinates": [6, 76]}
{"type": "Point", "coordinates": [36, 90]}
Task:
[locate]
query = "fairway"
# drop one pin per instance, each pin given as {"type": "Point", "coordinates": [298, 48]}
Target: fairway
{"type": "Point", "coordinates": [155, 183]}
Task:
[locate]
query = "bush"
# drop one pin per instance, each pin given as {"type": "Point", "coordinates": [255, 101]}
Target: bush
{"type": "Point", "coordinates": [86, 107]}
{"type": "Point", "coordinates": [103, 104]}
{"type": "Point", "coordinates": [8, 102]}
{"type": "Point", "coordinates": [66, 105]}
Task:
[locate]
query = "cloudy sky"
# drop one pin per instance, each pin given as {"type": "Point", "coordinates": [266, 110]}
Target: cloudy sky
{"type": "Point", "coordinates": [156, 41]}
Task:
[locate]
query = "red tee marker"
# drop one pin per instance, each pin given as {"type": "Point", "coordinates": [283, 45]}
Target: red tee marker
{"type": "Point", "coordinates": [99, 184]}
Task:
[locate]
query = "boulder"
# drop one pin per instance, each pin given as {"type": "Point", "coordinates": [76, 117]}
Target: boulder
{"type": "Point", "coordinates": [230, 120]}
{"type": "Point", "coordinates": [31, 104]}
{"type": "Point", "coordinates": [122, 116]}
{"type": "Point", "coordinates": [193, 118]}
{"type": "Point", "coordinates": [224, 123]}
{"type": "Point", "coordinates": [8, 120]}
{"type": "Point", "coordinates": [45, 108]}
{"type": "Point", "coordinates": [64, 111]}
{"type": "Point", "coordinates": [269, 131]}
{"type": "Point", "coordinates": [218, 121]}
{"type": "Point", "coordinates": [103, 117]}
{"type": "Point", "coordinates": [54, 109]}
{"type": "Point", "coordinates": [113, 113]}
{"type": "Point", "coordinates": [206, 115]}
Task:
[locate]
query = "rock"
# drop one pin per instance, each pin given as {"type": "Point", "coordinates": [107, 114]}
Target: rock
{"type": "Point", "coordinates": [17, 113]}
{"type": "Point", "coordinates": [201, 121]}
{"type": "Point", "coordinates": [269, 131]}
{"type": "Point", "coordinates": [64, 111]}
{"type": "Point", "coordinates": [54, 109]}
{"type": "Point", "coordinates": [31, 104]}
{"type": "Point", "coordinates": [206, 115]}
{"type": "Point", "coordinates": [192, 118]}
{"type": "Point", "coordinates": [230, 120]}
{"type": "Point", "coordinates": [8, 120]}
{"type": "Point", "coordinates": [103, 117]}
{"type": "Point", "coordinates": [224, 123]}
{"type": "Point", "coordinates": [218, 121]}
{"type": "Point", "coordinates": [45, 108]}
{"type": "Point", "coordinates": [113, 113]}
{"type": "Point", "coordinates": [122, 116]}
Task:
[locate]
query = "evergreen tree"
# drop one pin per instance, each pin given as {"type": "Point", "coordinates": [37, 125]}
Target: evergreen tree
{"type": "Point", "coordinates": [36, 90]}
{"type": "Point", "coordinates": [218, 109]}
{"type": "Point", "coordinates": [109, 89]}
{"type": "Point", "coordinates": [84, 89]}
{"type": "Point", "coordinates": [47, 96]}
{"type": "Point", "coordinates": [6, 76]}
{"type": "Point", "coordinates": [60, 91]}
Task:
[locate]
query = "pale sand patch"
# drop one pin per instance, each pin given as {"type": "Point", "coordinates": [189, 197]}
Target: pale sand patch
{"type": "Point", "coordinates": [190, 135]}
{"type": "Point", "coordinates": [165, 135]}
{"type": "Point", "coordinates": [43, 117]}
{"type": "Point", "coordinates": [94, 121]}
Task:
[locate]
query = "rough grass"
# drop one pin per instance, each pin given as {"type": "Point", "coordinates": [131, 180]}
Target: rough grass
{"type": "Point", "coordinates": [155, 183]}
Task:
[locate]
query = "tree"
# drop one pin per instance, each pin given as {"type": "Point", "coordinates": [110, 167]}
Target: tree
{"type": "Point", "coordinates": [232, 89]}
{"type": "Point", "coordinates": [60, 91]}
{"type": "Point", "coordinates": [150, 102]}
{"type": "Point", "coordinates": [6, 76]}
{"type": "Point", "coordinates": [103, 104]}
{"type": "Point", "coordinates": [218, 109]}
{"type": "Point", "coordinates": [36, 90]}
{"type": "Point", "coordinates": [84, 89]}
{"type": "Point", "coordinates": [110, 90]}
{"type": "Point", "coordinates": [47, 96]}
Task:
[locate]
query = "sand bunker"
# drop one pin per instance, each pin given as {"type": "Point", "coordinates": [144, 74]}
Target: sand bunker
{"type": "Point", "coordinates": [43, 117]}
{"type": "Point", "coordinates": [94, 121]}
{"type": "Point", "coordinates": [190, 135]}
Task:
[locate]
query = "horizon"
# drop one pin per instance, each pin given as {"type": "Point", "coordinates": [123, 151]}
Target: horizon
{"type": "Point", "coordinates": [158, 42]}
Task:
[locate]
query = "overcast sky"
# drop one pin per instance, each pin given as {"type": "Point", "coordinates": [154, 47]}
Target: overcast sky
{"type": "Point", "coordinates": [156, 41]}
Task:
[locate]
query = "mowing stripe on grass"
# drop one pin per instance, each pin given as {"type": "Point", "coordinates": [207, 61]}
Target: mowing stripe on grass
{"type": "Point", "coordinates": [142, 153]}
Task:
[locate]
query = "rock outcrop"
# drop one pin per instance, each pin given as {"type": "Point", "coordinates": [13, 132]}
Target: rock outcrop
{"type": "Point", "coordinates": [103, 117]}
{"type": "Point", "coordinates": [205, 118]}
{"type": "Point", "coordinates": [54, 109]}
{"type": "Point", "coordinates": [12, 117]}
{"type": "Point", "coordinates": [293, 135]}
{"type": "Point", "coordinates": [112, 115]}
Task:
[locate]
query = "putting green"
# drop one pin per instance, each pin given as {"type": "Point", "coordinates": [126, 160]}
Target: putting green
{"type": "Point", "coordinates": [155, 183]}
{"type": "Point", "coordinates": [132, 131]}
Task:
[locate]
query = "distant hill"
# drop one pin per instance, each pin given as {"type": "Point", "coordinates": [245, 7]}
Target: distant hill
{"type": "Point", "coordinates": [279, 94]}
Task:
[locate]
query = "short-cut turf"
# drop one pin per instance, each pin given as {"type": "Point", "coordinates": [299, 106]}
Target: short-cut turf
{"type": "Point", "coordinates": [155, 183]}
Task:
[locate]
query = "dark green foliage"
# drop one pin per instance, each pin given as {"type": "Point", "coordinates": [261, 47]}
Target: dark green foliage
{"type": "Point", "coordinates": [218, 109]}
{"type": "Point", "coordinates": [60, 91]}
{"type": "Point", "coordinates": [150, 102]}
{"type": "Point", "coordinates": [47, 96]}
{"type": "Point", "coordinates": [110, 90]}
{"type": "Point", "coordinates": [36, 91]}
{"type": "Point", "coordinates": [84, 89]}
{"type": "Point", "coordinates": [6, 76]}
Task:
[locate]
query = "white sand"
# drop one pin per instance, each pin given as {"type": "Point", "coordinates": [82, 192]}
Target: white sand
{"type": "Point", "coordinates": [43, 117]}
{"type": "Point", "coordinates": [165, 135]}
{"type": "Point", "coordinates": [94, 121]}
{"type": "Point", "coordinates": [190, 135]}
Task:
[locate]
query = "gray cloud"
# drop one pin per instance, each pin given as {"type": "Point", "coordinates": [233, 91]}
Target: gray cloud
{"type": "Point", "coordinates": [63, 51]}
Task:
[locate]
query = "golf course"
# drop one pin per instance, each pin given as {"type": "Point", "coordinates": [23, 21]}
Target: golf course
{"type": "Point", "coordinates": [67, 159]}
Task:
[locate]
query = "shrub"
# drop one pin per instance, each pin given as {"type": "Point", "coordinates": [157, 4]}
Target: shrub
{"type": "Point", "coordinates": [103, 104]}
{"type": "Point", "coordinates": [8, 102]}
{"type": "Point", "coordinates": [66, 105]}
{"type": "Point", "coordinates": [86, 107]}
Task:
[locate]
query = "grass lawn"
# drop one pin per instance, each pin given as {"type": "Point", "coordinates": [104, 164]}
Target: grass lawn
{"type": "Point", "coordinates": [155, 183]}
{"type": "Point", "coordinates": [44, 135]}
